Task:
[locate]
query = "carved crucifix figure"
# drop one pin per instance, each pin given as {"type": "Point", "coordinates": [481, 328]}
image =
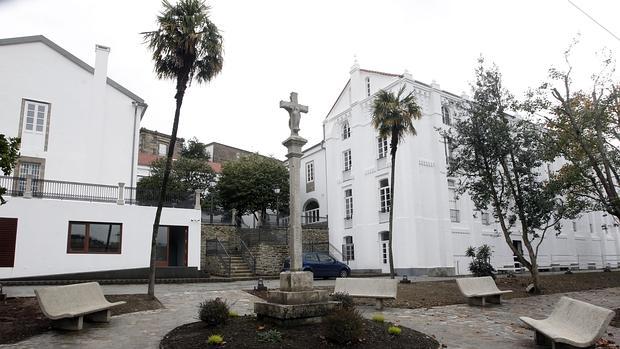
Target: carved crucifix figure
{"type": "Point", "coordinates": [294, 111]}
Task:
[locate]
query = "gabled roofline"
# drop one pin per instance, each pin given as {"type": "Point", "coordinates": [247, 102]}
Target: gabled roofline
{"type": "Point", "coordinates": [42, 39]}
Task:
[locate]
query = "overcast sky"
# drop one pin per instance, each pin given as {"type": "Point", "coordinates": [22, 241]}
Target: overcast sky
{"type": "Point", "coordinates": [274, 47]}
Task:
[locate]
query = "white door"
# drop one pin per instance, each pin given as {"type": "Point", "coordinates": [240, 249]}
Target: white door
{"type": "Point", "coordinates": [384, 251]}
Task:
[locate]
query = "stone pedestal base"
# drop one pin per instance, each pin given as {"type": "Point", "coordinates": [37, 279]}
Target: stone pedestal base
{"type": "Point", "coordinates": [296, 303]}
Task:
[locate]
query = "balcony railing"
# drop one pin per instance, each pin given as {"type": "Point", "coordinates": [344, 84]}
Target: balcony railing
{"type": "Point", "coordinates": [29, 187]}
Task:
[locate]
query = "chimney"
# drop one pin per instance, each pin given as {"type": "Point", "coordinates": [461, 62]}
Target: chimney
{"type": "Point", "coordinates": [101, 64]}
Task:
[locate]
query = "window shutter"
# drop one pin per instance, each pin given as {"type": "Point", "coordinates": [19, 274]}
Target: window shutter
{"type": "Point", "coordinates": [8, 234]}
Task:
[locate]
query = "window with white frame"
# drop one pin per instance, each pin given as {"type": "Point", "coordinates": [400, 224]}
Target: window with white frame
{"type": "Point", "coordinates": [32, 169]}
{"type": "Point", "coordinates": [347, 160]}
{"type": "Point", "coordinates": [384, 195]}
{"type": "Point", "coordinates": [348, 204]}
{"type": "Point", "coordinates": [485, 218]}
{"type": "Point", "coordinates": [382, 143]}
{"type": "Point", "coordinates": [36, 116]}
{"type": "Point", "coordinates": [368, 86]}
{"type": "Point", "coordinates": [574, 226]}
{"type": "Point", "coordinates": [455, 214]}
{"type": "Point", "coordinates": [447, 141]}
{"type": "Point", "coordinates": [163, 149]}
{"type": "Point", "coordinates": [310, 172]}
{"type": "Point", "coordinates": [348, 249]}
{"type": "Point", "coordinates": [445, 115]}
{"type": "Point", "coordinates": [346, 130]}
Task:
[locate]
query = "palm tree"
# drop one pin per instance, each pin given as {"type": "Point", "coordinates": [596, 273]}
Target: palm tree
{"type": "Point", "coordinates": [393, 116]}
{"type": "Point", "coordinates": [186, 46]}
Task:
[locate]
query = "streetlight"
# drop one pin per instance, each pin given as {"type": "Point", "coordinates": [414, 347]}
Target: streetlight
{"type": "Point", "coordinates": [277, 191]}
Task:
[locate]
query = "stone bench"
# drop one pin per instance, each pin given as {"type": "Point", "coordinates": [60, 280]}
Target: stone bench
{"type": "Point", "coordinates": [379, 289]}
{"type": "Point", "coordinates": [478, 290]}
{"type": "Point", "coordinates": [576, 323]}
{"type": "Point", "coordinates": [67, 306]}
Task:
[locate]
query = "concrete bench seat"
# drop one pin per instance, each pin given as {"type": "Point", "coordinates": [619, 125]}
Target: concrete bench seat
{"type": "Point", "coordinates": [479, 290]}
{"type": "Point", "coordinates": [572, 322]}
{"type": "Point", "coordinates": [378, 289]}
{"type": "Point", "coordinates": [67, 306]}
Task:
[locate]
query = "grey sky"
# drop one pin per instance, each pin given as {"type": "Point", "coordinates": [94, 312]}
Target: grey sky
{"type": "Point", "coordinates": [273, 47]}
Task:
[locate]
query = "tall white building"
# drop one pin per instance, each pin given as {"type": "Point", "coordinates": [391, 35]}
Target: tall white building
{"type": "Point", "coordinates": [432, 227]}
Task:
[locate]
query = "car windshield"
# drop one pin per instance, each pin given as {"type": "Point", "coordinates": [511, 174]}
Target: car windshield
{"type": "Point", "coordinates": [325, 258]}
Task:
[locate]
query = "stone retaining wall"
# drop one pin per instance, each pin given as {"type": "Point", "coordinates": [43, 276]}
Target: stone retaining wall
{"type": "Point", "coordinates": [269, 258]}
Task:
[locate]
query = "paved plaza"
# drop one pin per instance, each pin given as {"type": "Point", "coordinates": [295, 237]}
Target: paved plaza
{"type": "Point", "coordinates": [456, 326]}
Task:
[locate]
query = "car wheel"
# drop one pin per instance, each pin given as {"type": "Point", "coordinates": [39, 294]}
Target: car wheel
{"type": "Point", "coordinates": [344, 273]}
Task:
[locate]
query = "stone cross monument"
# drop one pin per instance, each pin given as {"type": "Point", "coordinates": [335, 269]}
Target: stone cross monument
{"type": "Point", "coordinates": [296, 302]}
{"type": "Point", "coordinates": [294, 143]}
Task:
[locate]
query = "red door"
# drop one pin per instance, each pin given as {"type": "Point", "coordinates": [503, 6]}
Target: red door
{"type": "Point", "coordinates": [8, 237]}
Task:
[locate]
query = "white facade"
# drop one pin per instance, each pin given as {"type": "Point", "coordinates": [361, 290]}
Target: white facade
{"type": "Point", "coordinates": [79, 139]}
{"type": "Point", "coordinates": [432, 229]}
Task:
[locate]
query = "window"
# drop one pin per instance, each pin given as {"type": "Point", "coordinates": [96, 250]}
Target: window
{"type": "Point", "coordinates": [310, 172]}
{"type": "Point", "coordinates": [311, 257]}
{"type": "Point", "coordinates": [348, 203]}
{"type": "Point", "coordinates": [347, 160]}
{"type": "Point", "coordinates": [385, 238]}
{"type": "Point", "coordinates": [384, 195]}
{"type": "Point", "coordinates": [28, 169]}
{"type": "Point", "coordinates": [163, 149]}
{"type": "Point", "coordinates": [325, 258]}
{"type": "Point", "coordinates": [485, 219]}
{"type": "Point", "coordinates": [445, 115]}
{"type": "Point", "coordinates": [346, 130]}
{"type": "Point", "coordinates": [574, 226]}
{"type": "Point", "coordinates": [447, 143]}
{"type": "Point", "coordinates": [368, 86]}
{"type": "Point", "coordinates": [36, 114]}
{"type": "Point", "coordinates": [348, 249]}
{"type": "Point", "coordinates": [455, 214]}
{"type": "Point", "coordinates": [382, 143]}
{"type": "Point", "coordinates": [86, 237]}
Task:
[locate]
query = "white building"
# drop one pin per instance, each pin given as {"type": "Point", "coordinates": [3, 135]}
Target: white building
{"type": "Point", "coordinates": [72, 205]}
{"type": "Point", "coordinates": [432, 228]}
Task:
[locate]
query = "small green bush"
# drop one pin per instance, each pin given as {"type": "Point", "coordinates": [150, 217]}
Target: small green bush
{"type": "Point", "coordinates": [393, 330]}
{"type": "Point", "coordinates": [233, 313]}
{"type": "Point", "coordinates": [344, 326]}
{"type": "Point", "coordinates": [378, 318]}
{"type": "Point", "coordinates": [345, 300]}
{"type": "Point", "coordinates": [215, 339]}
{"type": "Point", "coordinates": [271, 336]}
{"type": "Point", "coordinates": [214, 312]}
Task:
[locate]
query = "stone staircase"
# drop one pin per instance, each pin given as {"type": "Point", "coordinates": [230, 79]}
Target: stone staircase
{"type": "Point", "coordinates": [238, 267]}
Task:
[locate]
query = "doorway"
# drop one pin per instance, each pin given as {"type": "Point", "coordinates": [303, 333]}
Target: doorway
{"type": "Point", "coordinates": [384, 240]}
{"type": "Point", "coordinates": [519, 247]}
{"type": "Point", "coordinates": [171, 249]}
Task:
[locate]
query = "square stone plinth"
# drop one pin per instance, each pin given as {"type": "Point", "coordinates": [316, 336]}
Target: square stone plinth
{"type": "Point", "coordinates": [300, 297]}
{"type": "Point", "coordinates": [293, 314]}
{"type": "Point", "coordinates": [293, 281]}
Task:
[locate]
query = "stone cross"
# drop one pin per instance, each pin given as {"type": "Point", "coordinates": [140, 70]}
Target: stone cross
{"type": "Point", "coordinates": [294, 110]}
{"type": "Point", "coordinates": [293, 144]}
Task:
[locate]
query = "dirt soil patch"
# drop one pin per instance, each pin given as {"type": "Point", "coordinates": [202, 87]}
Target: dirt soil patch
{"type": "Point", "coordinates": [21, 318]}
{"type": "Point", "coordinates": [438, 293]}
{"type": "Point", "coordinates": [241, 332]}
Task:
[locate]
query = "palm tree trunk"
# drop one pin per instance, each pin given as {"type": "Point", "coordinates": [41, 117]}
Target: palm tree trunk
{"type": "Point", "coordinates": [391, 258]}
{"type": "Point", "coordinates": [181, 86]}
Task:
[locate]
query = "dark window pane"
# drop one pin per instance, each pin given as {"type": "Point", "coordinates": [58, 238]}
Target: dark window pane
{"type": "Point", "coordinates": [77, 236]}
{"type": "Point", "coordinates": [311, 257]}
{"type": "Point", "coordinates": [325, 258]}
{"type": "Point", "coordinates": [161, 250]}
{"type": "Point", "coordinates": [104, 238]}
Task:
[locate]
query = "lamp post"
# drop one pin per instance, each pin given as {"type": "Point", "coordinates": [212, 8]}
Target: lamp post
{"type": "Point", "coordinates": [277, 192]}
{"type": "Point", "coordinates": [211, 186]}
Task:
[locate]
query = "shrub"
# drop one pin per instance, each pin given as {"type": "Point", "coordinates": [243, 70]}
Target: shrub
{"type": "Point", "coordinates": [271, 336]}
{"type": "Point", "coordinates": [378, 318]}
{"type": "Point", "coordinates": [480, 261]}
{"type": "Point", "coordinates": [215, 339]}
{"type": "Point", "coordinates": [214, 312]}
{"type": "Point", "coordinates": [345, 300]}
{"type": "Point", "coordinates": [344, 326]}
{"type": "Point", "coordinates": [393, 330]}
{"type": "Point", "coordinates": [233, 313]}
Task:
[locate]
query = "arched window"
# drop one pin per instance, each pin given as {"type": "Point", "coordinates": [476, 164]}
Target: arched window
{"type": "Point", "coordinates": [445, 115]}
{"type": "Point", "coordinates": [368, 86]}
{"type": "Point", "coordinates": [311, 211]}
{"type": "Point", "coordinates": [346, 130]}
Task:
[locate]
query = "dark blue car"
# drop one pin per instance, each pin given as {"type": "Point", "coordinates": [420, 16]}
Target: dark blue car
{"type": "Point", "coordinates": [322, 265]}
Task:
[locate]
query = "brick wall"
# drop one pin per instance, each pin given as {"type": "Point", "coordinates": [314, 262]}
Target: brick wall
{"type": "Point", "coordinates": [149, 143]}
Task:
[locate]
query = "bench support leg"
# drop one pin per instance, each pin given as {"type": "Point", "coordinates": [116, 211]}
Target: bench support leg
{"type": "Point", "coordinates": [541, 339]}
{"type": "Point", "coordinates": [100, 316]}
{"type": "Point", "coordinates": [379, 304]}
{"type": "Point", "coordinates": [480, 301]}
{"type": "Point", "coordinates": [70, 324]}
{"type": "Point", "coordinates": [495, 299]}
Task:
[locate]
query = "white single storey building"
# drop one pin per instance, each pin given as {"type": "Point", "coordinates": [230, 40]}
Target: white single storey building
{"type": "Point", "coordinates": [72, 204]}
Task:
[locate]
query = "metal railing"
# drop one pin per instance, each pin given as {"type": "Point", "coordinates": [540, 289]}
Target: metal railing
{"type": "Point", "coordinates": [247, 256]}
{"type": "Point", "coordinates": [217, 249]}
{"type": "Point", "coordinates": [308, 220]}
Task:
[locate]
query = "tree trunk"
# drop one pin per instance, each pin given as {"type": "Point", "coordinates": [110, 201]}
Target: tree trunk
{"type": "Point", "coordinates": [181, 86]}
{"type": "Point", "coordinates": [391, 258]}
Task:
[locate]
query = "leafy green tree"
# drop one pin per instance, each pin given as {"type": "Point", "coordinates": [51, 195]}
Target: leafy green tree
{"type": "Point", "coordinates": [393, 116]}
{"type": "Point", "coordinates": [9, 153]}
{"type": "Point", "coordinates": [186, 46]}
{"type": "Point", "coordinates": [194, 149]}
{"type": "Point", "coordinates": [499, 161]}
{"type": "Point", "coordinates": [186, 175]}
{"type": "Point", "coordinates": [480, 261]}
{"type": "Point", "coordinates": [247, 185]}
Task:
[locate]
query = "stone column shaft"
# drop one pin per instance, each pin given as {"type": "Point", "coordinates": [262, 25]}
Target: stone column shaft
{"type": "Point", "coordinates": [294, 145]}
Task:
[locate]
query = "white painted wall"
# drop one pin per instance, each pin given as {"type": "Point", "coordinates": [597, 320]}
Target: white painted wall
{"type": "Point", "coordinates": [42, 233]}
{"type": "Point", "coordinates": [316, 155]}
